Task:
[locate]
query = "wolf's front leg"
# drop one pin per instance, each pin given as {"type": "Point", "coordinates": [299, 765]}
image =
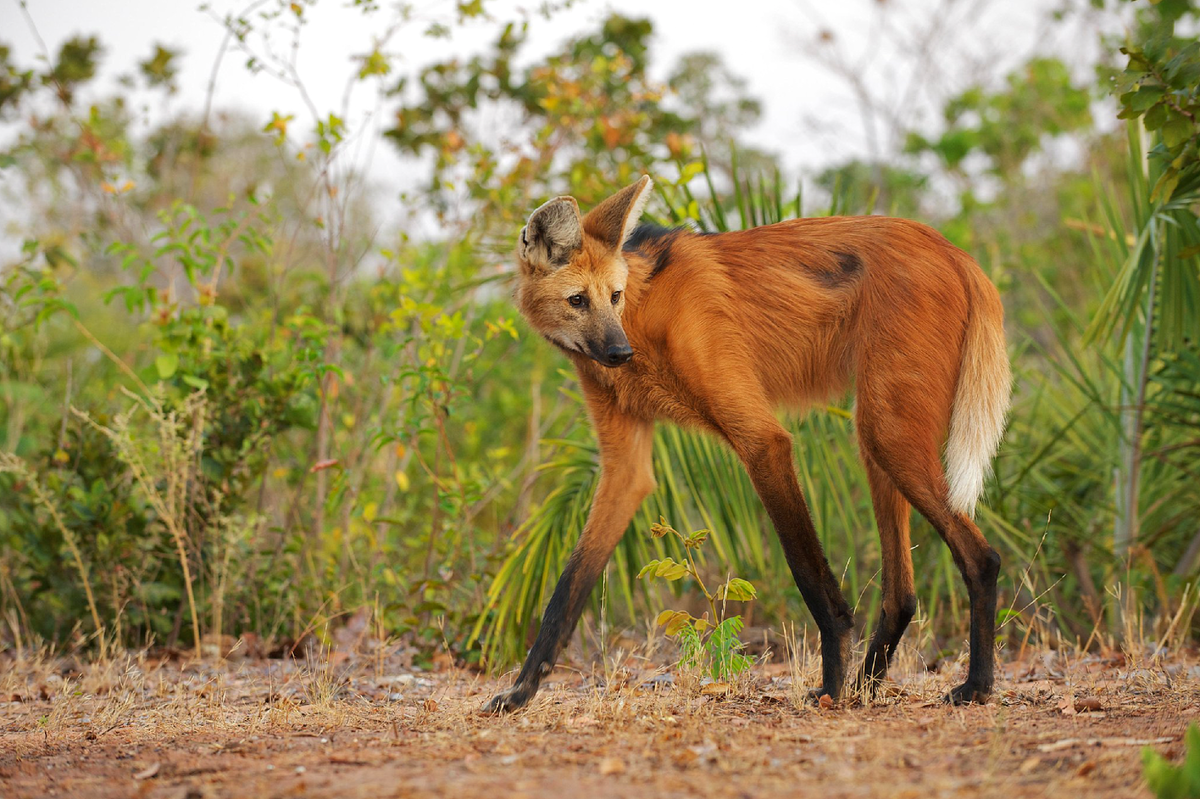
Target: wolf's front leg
{"type": "Point", "coordinates": [558, 622]}
{"type": "Point", "coordinates": [626, 478]}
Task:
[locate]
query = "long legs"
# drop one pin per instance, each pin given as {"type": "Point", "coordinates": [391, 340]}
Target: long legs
{"type": "Point", "coordinates": [904, 467]}
{"type": "Point", "coordinates": [899, 597]}
{"type": "Point", "coordinates": [626, 478]}
{"type": "Point", "coordinates": [907, 456]}
{"type": "Point", "coordinates": [766, 450]}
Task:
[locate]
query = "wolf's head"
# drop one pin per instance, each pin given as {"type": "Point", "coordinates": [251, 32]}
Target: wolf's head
{"type": "Point", "coordinates": [571, 280]}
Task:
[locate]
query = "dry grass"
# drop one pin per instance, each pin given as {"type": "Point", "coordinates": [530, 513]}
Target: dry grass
{"type": "Point", "coordinates": [341, 725]}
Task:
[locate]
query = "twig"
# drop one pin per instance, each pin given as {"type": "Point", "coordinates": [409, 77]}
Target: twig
{"type": "Point", "coordinates": [112, 356]}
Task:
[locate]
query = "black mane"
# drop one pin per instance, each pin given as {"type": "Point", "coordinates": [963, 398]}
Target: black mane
{"type": "Point", "coordinates": [654, 243]}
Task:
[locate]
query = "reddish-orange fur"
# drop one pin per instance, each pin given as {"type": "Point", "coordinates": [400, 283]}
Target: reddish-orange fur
{"type": "Point", "coordinates": [732, 327]}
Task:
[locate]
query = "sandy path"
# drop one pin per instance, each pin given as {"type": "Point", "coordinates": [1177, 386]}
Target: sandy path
{"type": "Point", "coordinates": [270, 729]}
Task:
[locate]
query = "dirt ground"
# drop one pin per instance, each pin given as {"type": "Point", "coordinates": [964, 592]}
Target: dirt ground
{"type": "Point", "coordinates": [139, 727]}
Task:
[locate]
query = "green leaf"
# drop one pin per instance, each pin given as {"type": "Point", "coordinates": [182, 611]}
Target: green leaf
{"type": "Point", "coordinates": [1004, 614]}
{"type": "Point", "coordinates": [668, 569]}
{"type": "Point", "coordinates": [1146, 96]}
{"type": "Point", "coordinates": [1168, 781]}
{"type": "Point", "coordinates": [648, 568]}
{"type": "Point", "coordinates": [1156, 117]}
{"type": "Point", "coordinates": [196, 382]}
{"type": "Point", "coordinates": [674, 620]}
{"type": "Point", "coordinates": [1177, 131]}
{"type": "Point", "coordinates": [737, 590]}
{"type": "Point", "coordinates": [689, 171]}
{"type": "Point", "coordinates": [1191, 761]}
{"type": "Point", "coordinates": [1164, 187]}
{"type": "Point", "coordinates": [166, 364]}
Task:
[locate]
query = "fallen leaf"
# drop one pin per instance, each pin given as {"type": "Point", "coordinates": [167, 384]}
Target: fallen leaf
{"type": "Point", "coordinates": [1086, 768]}
{"type": "Point", "coordinates": [826, 701]}
{"type": "Point", "coordinates": [148, 773]}
{"type": "Point", "coordinates": [612, 765]}
{"type": "Point", "coordinates": [685, 757]}
{"type": "Point", "coordinates": [430, 706]}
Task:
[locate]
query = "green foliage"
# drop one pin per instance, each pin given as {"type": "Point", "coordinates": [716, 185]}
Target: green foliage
{"type": "Point", "coordinates": [1006, 127]}
{"type": "Point", "coordinates": [360, 425]}
{"type": "Point", "coordinates": [1161, 86]}
{"type": "Point", "coordinates": [1158, 257]}
{"type": "Point", "coordinates": [77, 61]}
{"type": "Point", "coordinates": [262, 354]}
{"type": "Point", "coordinates": [1168, 781]}
{"type": "Point", "coordinates": [708, 642]}
{"type": "Point", "coordinates": [882, 188]}
{"type": "Point", "coordinates": [14, 82]}
{"type": "Point", "coordinates": [589, 117]}
{"type": "Point", "coordinates": [161, 68]}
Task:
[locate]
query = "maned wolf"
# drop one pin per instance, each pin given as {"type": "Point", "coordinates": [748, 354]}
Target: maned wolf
{"type": "Point", "coordinates": [717, 331]}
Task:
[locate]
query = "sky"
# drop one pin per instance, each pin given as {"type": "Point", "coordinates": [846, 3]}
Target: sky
{"type": "Point", "coordinates": [811, 62]}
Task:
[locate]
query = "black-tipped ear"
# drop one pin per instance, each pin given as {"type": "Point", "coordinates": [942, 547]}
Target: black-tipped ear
{"type": "Point", "coordinates": [552, 235]}
{"type": "Point", "coordinates": [614, 219]}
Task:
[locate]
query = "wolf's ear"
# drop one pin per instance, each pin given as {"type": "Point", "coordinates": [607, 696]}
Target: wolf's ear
{"type": "Point", "coordinates": [614, 219]}
{"type": "Point", "coordinates": [552, 235]}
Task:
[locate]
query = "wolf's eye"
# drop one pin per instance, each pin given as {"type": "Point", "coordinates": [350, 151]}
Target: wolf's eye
{"type": "Point", "coordinates": [577, 300]}
{"type": "Point", "coordinates": [616, 297]}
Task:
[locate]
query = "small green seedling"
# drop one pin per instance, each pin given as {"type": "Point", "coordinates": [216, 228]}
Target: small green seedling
{"type": "Point", "coordinates": [1168, 781]}
{"type": "Point", "coordinates": [710, 642]}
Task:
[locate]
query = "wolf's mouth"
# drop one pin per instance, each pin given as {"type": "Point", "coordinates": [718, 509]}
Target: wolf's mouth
{"type": "Point", "coordinates": [612, 356]}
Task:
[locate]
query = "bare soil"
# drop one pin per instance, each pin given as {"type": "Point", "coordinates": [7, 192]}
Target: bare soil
{"type": "Point", "coordinates": [135, 726]}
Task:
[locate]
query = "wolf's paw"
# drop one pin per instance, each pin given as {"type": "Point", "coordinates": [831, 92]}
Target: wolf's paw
{"type": "Point", "coordinates": [514, 698]}
{"type": "Point", "coordinates": [969, 693]}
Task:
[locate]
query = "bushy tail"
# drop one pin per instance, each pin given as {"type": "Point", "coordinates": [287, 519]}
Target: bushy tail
{"type": "Point", "coordinates": [980, 401]}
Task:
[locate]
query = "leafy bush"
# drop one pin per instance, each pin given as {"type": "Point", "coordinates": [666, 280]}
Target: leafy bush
{"type": "Point", "coordinates": [709, 643]}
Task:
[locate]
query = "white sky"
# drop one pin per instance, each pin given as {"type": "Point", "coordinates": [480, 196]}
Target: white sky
{"type": "Point", "coordinates": [811, 118]}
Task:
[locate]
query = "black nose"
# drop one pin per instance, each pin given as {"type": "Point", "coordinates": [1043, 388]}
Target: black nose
{"type": "Point", "coordinates": [617, 354]}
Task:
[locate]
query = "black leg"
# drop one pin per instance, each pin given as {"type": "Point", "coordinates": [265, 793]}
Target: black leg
{"type": "Point", "coordinates": [979, 566]}
{"type": "Point", "coordinates": [899, 598]}
{"type": "Point", "coordinates": [558, 622]}
{"type": "Point", "coordinates": [981, 574]}
{"type": "Point", "coordinates": [768, 461]}
{"type": "Point", "coordinates": [626, 478]}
